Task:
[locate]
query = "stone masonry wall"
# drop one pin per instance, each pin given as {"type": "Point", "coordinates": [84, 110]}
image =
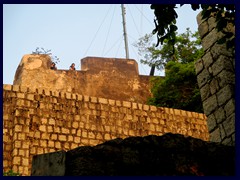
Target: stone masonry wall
{"type": "Point", "coordinates": [37, 121]}
{"type": "Point", "coordinates": [110, 78]}
{"type": "Point", "coordinates": [216, 80]}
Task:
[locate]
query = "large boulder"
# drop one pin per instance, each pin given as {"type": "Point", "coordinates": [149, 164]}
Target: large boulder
{"type": "Point", "coordinates": [170, 154]}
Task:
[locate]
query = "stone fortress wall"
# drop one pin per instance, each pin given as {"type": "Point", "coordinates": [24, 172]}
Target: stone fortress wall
{"type": "Point", "coordinates": [111, 78]}
{"type": "Point", "coordinates": [37, 121]}
{"type": "Point", "coordinates": [216, 80]}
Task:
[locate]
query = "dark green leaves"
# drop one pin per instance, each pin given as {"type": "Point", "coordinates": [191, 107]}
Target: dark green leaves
{"type": "Point", "coordinates": [166, 16]}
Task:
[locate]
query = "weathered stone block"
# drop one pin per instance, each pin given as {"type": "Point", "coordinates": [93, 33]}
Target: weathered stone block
{"type": "Point", "coordinates": [214, 86]}
{"type": "Point", "coordinates": [45, 135]}
{"type": "Point", "coordinates": [51, 121]}
{"type": "Point", "coordinates": [65, 130]}
{"type": "Point", "coordinates": [15, 88]}
{"type": "Point", "coordinates": [127, 104]}
{"type": "Point", "coordinates": [207, 60]}
{"type": "Point", "coordinates": [75, 125]}
{"type": "Point", "coordinates": [146, 107]}
{"type": "Point", "coordinates": [50, 143]}
{"type": "Point", "coordinates": [226, 77]}
{"type": "Point", "coordinates": [205, 92]}
{"type": "Point", "coordinates": [50, 164]}
{"type": "Point", "coordinates": [102, 101]}
{"type": "Point", "coordinates": [209, 39]}
{"type": "Point", "coordinates": [223, 62]}
{"type": "Point", "coordinates": [215, 136]}
{"type": "Point", "coordinates": [42, 128]}
{"type": "Point", "coordinates": [18, 128]}
{"type": "Point", "coordinates": [57, 145]}
{"type": "Point", "coordinates": [220, 49]}
{"type": "Point", "coordinates": [112, 102]}
{"type": "Point", "coordinates": [211, 122]}
{"type": "Point", "coordinates": [198, 66]}
{"type": "Point", "coordinates": [211, 23]}
{"type": "Point", "coordinates": [229, 125]}
{"type": "Point", "coordinates": [134, 105]}
{"type": "Point", "coordinates": [54, 136]}
{"type": "Point", "coordinates": [230, 107]}
{"type": "Point", "coordinates": [68, 95]}
{"type": "Point", "coordinates": [17, 160]}
{"type": "Point", "coordinates": [79, 97]}
{"type": "Point", "coordinates": [210, 104]}
{"type": "Point", "coordinates": [203, 78]}
{"type": "Point", "coordinates": [30, 97]}
{"type": "Point", "coordinates": [107, 136]}
{"type": "Point", "coordinates": [47, 92]}
{"type": "Point", "coordinates": [23, 89]}
{"type": "Point", "coordinates": [203, 29]}
{"type": "Point", "coordinates": [225, 94]}
{"type": "Point", "coordinates": [7, 87]}
{"type": "Point", "coordinates": [62, 137]}
{"type": "Point", "coordinates": [220, 115]}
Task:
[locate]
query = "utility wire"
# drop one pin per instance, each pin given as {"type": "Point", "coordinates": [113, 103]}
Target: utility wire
{"type": "Point", "coordinates": [133, 20]}
{"type": "Point", "coordinates": [97, 31]}
{"type": "Point", "coordinates": [142, 66]}
{"type": "Point", "coordinates": [108, 31]}
{"type": "Point", "coordinates": [114, 44]}
{"type": "Point", "coordinates": [144, 16]}
{"type": "Point", "coordinates": [119, 47]}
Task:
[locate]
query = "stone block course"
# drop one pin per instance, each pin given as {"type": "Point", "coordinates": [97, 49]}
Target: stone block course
{"type": "Point", "coordinates": [50, 124]}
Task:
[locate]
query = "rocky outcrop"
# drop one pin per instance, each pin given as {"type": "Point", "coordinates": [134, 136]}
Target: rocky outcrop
{"type": "Point", "coordinates": [167, 155]}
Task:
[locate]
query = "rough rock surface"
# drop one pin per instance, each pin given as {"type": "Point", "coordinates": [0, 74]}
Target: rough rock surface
{"type": "Point", "coordinates": [170, 154]}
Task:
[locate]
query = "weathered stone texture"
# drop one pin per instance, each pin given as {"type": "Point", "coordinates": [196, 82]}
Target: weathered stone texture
{"type": "Point", "coordinates": [90, 80]}
{"type": "Point", "coordinates": [169, 154]}
{"type": "Point", "coordinates": [57, 122]}
{"type": "Point", "coordinates": [216, 80]}
{"type": "Point", "coordinates": [210, 104]}
{"type": "Point", "coordinates": [51, 164]}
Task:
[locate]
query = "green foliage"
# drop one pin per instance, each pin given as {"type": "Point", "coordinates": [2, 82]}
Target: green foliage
{"type": "Point", "coordinates": [186, 49]}
{"type": "Point", "coordinates": [165, 20]}
{"type": "Point", "coordinates": [11, 173]}
{"type": "Point", "coordinates": [179, 88]}
{"type": "Point", "coordinates": [54, 59]}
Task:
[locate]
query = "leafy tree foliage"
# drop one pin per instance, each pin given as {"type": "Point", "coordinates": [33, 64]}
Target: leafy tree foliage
{"type": "Point", "coordinates": [11, 173]}
{"type": "Point", "coordinates": [186, 49]}
{"type": "Point", "coordinates": [179, 88]}
{"type": "Point", "coordinates": [165, 20]}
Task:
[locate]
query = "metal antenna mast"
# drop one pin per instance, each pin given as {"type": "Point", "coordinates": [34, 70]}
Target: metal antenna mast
{"type": "Point", "coordinates": [125, 31]}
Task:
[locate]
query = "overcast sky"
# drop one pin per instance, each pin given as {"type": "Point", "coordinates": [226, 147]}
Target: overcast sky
{"type": "Point", "coordinates": [76, 31]}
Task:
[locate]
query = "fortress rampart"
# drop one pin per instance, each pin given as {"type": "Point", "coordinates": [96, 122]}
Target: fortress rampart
{"type": "Point", "coordinates": [110, 78]}
{"type": "Point", "coordinates": [37, 121]}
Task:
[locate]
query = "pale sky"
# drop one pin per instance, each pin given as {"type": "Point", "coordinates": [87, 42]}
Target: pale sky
{"type": "Point", "coordinates": [76, 31]}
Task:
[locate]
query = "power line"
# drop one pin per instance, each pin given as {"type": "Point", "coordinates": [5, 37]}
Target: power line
{"type": "Point", "coordinates": [97, 31]}
{"type": "Point", "coordinates": [114, 44]}
{"type": "Point", "coordinates": [108, 30]}
{"type": "Point", "coordinates": [144, 16]}
{"type": "Point", "coordinates": [118, 48]}
{"type": "Point", "coordinates": [133, 20]}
